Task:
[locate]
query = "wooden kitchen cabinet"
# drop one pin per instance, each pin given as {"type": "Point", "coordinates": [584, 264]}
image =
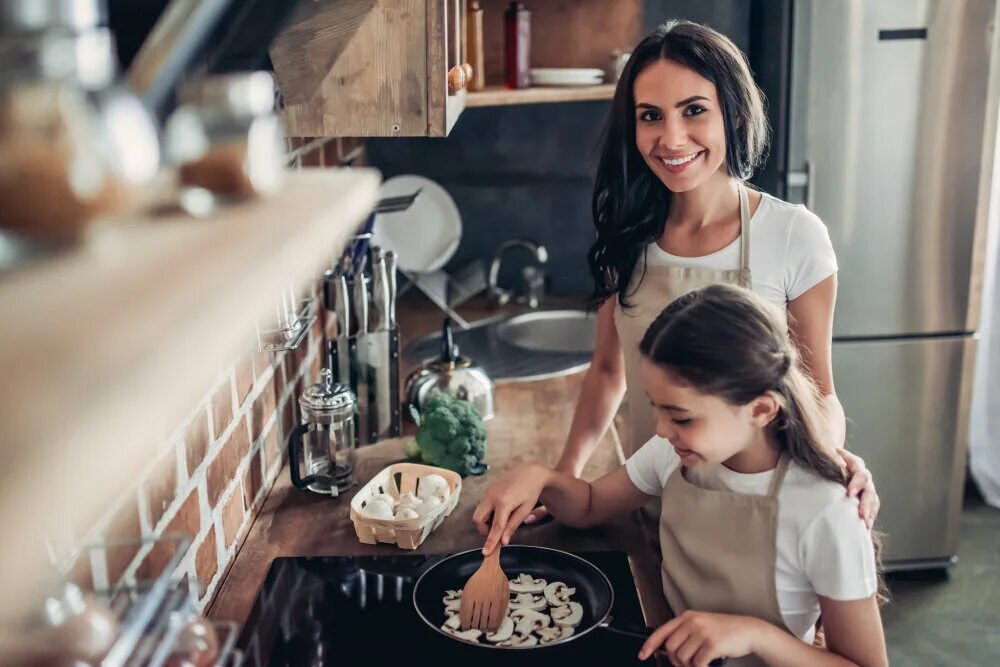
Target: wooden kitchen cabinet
{"type": "Point", "coordinates": [371, 68]}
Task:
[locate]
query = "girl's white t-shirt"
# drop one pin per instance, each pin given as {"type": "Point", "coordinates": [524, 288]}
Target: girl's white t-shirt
{"type": "Point", "coordinates": [823, 547]}
{"type": "Point", "coordinates": [790, 251]}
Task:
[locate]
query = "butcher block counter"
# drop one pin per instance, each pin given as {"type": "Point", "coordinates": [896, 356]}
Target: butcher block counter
{"type": "Point", "coordinates": [531, 425]}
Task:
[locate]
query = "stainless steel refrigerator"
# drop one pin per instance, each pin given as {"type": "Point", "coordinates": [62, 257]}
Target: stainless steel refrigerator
{"type": "Point", "coordinates": [884, 139]}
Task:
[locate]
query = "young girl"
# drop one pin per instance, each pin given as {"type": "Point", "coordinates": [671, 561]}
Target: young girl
{"type": "Point", "coordinates": [757, 535]}
{"type": "Point", "coordinates": [672, 213]}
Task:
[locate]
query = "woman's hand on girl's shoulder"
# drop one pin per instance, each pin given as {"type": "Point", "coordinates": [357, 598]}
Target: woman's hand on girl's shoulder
{"type": "Point", "coordinates": [507, 502]}
{"type": "Point", "coordinates": [696, 638]}
{"type": "Point", "coordinates": [862, 485]}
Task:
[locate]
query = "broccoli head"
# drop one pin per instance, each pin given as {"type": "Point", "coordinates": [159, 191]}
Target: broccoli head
{"type": "Point", "coordinates": [451, 434]}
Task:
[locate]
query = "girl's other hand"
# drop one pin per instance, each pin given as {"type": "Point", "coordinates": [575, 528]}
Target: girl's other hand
{"type": "Point", "coordinates": [507, 503]}
{"type": "Point", "coordinates": [696, 638]}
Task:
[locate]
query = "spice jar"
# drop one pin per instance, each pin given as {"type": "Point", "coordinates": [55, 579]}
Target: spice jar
{"type": "Point", "coordinates": [225, 136]}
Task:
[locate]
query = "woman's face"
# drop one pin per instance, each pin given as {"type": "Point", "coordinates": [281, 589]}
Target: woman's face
{"type": "Point", "coordinates": [703, 429]}
{"type": "Point", "coordinates": [679, 128]}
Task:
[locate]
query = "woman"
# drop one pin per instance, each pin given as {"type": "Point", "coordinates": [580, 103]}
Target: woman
{"type": "Point", "coordinates": [687, 128]}
{"type": "Point", "coordinates": [757, 537]}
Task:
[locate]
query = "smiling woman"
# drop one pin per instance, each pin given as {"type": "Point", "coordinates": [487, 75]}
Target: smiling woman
{"type": "Point", "coordinates": [673, 213]}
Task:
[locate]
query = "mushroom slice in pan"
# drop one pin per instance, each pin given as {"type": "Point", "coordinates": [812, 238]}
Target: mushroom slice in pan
{"type": "Point", "coordinates": [557, 593]}
{"type": "Point", "coordinates": [452, 606]}
{"type": "Point", "coordinates": [470, 635]}
{"type": "Point", "coordinates": [526, 584]}
{"type": "Point", "coordinates": [554, 634]}
{"type": "Point", "coordinates": [569, 614]}
{"type": "Point", "coordinates": [503, 633]}
{"type": "Point", "coordinates": [527, 621]}
{"type": "Point", "coordinates": [452, 624]}
{"type": "Point", "coordinates": [529, 601]}
{"type": "Point", "coordinates": [520, 640]}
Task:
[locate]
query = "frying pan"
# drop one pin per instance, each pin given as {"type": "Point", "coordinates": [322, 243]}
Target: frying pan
{"type": "Point", "coordinates": [593, 590]}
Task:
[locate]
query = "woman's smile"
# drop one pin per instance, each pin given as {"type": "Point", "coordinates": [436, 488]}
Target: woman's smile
{"type": "Point", "coordinates": [676, 165]}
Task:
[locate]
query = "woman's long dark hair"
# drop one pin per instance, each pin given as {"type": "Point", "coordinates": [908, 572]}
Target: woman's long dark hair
{"type": "Point", "coordinates": [729, 342]}
{"type": "Point", "coordinates": [630, 204]}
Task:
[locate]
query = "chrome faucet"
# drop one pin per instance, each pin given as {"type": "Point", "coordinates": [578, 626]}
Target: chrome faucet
{"type": "Point", "coordinates": [534, 277]}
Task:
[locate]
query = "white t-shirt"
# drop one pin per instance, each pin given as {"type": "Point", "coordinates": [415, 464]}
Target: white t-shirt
{"type": "Point", "coordinates": [823, 547]}
{"type": "Point", "coordinates": [790, 251]}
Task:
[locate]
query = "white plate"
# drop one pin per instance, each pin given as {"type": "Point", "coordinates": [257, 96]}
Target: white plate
{"type": "Point", "coordinates": [426, 235]}
{"type": "Point", "coordinates": [565, 76]}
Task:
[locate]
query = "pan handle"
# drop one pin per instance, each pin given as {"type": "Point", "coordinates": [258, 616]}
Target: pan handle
{"type": "Point", "coordinates": [644, 634]}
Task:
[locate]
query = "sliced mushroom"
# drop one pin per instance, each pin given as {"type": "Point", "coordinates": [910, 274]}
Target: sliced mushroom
{"type": "Point", "coordinates": [452, 606]}
{"type": "Point", "coordinates": [453, 622]}
{"type": "Point", "coordinates": [503, 633]}
{"type": "Point", "coordinates": [557, 593]}
{"type": "Point", "coordinates": [554, 634]}
{"type": "Point", "coordinates": [569, 614]}
{"type": "Point", "coordinates": [452, 595]}
{"type": "Point", "coordinates": [529, 601]}
{"type": "Point", "coordinates": [470, 635]}
{"type": "Point", "coordinates": [526, 584]}
{"type": "Point", "coordinates": [520, 640]}
{"type": "Point", "coordinates": [527, 621]}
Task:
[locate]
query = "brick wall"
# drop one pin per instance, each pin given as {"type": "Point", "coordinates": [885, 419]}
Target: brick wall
{"type": "Point", "coordinates": [209, 478]}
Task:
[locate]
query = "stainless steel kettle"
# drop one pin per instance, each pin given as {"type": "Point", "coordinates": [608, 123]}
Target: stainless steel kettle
{"type": "Point", "coordinates": [453, 374]}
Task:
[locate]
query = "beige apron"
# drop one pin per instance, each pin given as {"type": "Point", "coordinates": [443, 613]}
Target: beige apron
{"type": "Point", "coordinates": [720, 549]}
{"type": "Point", "coordinates": [649, 294]}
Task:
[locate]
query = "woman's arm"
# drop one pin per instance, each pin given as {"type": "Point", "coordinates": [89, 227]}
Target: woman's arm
{"type": "Point", "coordinates": [600, 395]}
{"type": "Point", "coordinates": [853, 633]}
{"type": "Point", "coordinates": [810, 324]}
{"type": "Point", "coordinates": [575, 502]}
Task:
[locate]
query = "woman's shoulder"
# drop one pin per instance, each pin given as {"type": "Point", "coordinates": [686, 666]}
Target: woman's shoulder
{"type": "Point", "coordinates": [778, 211]}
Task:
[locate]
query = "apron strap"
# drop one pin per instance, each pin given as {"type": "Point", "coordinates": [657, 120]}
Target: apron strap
{"type": "Point", "coordinates": [744, 228]}
{"type": "Point", "coordinates": [779, 476]}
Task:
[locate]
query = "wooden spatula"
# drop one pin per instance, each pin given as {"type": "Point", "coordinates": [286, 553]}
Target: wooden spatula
{"type": "Point", "coordinates": [485, 596]}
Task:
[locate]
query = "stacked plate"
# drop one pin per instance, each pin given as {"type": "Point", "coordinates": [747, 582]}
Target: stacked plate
{"type": "Point", "coordinates": [566, 76]}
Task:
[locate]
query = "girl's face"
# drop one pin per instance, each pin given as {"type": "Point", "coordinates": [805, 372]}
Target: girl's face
{"type": "Point", "coordinates": [679, 129]}
{"type": "Point", "coordinates": [704, 429]}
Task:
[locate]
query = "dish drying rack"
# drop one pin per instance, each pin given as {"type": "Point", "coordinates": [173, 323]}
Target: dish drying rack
{"type": "Point", "coordinates": [153, 609]}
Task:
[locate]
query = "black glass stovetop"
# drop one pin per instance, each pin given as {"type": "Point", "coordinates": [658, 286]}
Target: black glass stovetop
{"type": "Point", "coordinates": [339, 610]}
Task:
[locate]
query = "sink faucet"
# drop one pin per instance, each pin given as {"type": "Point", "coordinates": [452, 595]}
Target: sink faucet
{"type": "Point", "coordinates": [534, 277]}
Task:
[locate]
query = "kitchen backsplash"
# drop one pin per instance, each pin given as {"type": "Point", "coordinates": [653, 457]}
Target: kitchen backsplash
{"type": "Point", "coordinates": [212, 474]}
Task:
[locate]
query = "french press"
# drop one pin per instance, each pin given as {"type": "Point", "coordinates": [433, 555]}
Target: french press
{"type": "Point", "coordinates": [328, 451]}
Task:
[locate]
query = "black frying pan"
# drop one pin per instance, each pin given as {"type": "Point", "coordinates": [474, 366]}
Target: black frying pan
{"type": "Point", "coordinates": [593, 590]}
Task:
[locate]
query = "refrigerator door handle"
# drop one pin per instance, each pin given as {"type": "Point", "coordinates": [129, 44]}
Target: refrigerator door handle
{"type": "Point", "coordinates": [803, 179]}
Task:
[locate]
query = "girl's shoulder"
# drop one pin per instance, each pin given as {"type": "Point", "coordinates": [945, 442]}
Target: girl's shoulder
{"type": "Point", "coordinates": [810, 498]}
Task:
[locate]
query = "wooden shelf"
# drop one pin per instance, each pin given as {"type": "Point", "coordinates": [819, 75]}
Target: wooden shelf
{"type": "Point", "coordinates": [106, 348]}
{"type": "Point", "coordinates": [496, 96]}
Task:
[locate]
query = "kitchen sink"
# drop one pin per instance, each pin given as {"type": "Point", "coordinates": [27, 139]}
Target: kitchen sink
{"type": "Point", "coordinates": [551, 331]}
{"type": "Point", "coordinates": [527, 346]}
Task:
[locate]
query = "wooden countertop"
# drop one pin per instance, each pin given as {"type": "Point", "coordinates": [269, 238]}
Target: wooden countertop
{"type": "Point", "coordinates": [531, 425]}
